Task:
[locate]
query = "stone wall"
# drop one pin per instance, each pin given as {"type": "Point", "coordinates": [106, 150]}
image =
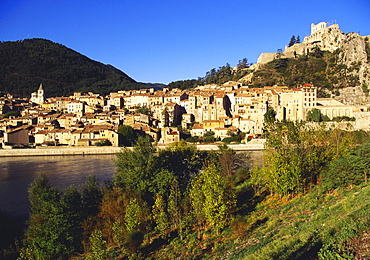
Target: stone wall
{"type": "Point", "coordinates": [253, 146]}
{"type": "Point", "coordinates": [44, 151]}
{"type": "Point", "coordinates": [266, 57]}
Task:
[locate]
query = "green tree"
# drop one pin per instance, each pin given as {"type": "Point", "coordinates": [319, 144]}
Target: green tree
{"type": "Point", "coordinates": [174, 205]}
{"type": "Point", "coordinates": [183, 160]}
{"type": "Point", "coordinates": [50, 233]}
{"type": "Point", "coordinates": [91, 196]}
{"type": "Point", "coordinates": [136, 167]}
{"type": "Point", "coordinates": [98, 246]}
{"type": "Point", "coordinates": [280, 64]}
{"type": "Point", "coordinates": [317, 52]}
{"type": "Point", "coordinates": [270, 116]}
{"type": "Point", "coordinates": [294, 157]}
{"type": "Point", "coordinates": [292, 41]}
{"type": "Point", "coordinates": [351, 169]}
{"type": "Point", "coordinates": [283, 173]}
{"type": "Point", "coordinates": [143, 110]}
{"type": "Point", "coordinates": [128, 135]}
{"type": "Point", "coordinates": [136, 222]}
{"type": "Point", "coordinates": [133, 216]}
{"type": "Point", "coordinates": [316, 116]}
{"type": "Point", "coordinates": [243, 64]}
{"type": "Point", "coordinates": [160, 182]}
{"type": "Point", "coordinates": [345, 171]}
{"type": "Point", "coordinates": [11, 113]}
{"type": "Point", "coordinates": [159, 214]}
{"type": "Point", "coordinates": [71, 201]}
{"type": "Point", "coordinates": [104, 142]}
{"type": "Point", "coordinates": [209, 136]}
{"type": "Point", "coordinates": [210, 198]}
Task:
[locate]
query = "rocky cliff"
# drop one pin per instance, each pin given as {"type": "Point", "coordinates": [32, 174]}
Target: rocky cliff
{"type": "Point", "coordinates": [355, 55]}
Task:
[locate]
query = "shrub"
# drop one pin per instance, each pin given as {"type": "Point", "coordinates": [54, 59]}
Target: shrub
{"type": "Point", "coordinates": [350, 170]}
{"type": "Point", "coordinates": [231, 139]}
{"type": "Point", "coordinates": [193, 139]}
{"type": "Point", "coordinates": [11, 113]}
{"type": "Point", "coordinates": [105, 142]}
{"type": "Point", "coordinates": [133, 241]}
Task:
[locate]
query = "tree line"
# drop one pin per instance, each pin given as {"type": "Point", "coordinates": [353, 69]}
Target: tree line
{"type": "Point", "coordinates": [218, 76]}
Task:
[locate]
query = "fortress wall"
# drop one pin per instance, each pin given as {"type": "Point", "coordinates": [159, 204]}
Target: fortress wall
{"type": "Point", "coordinates": [266, 57]}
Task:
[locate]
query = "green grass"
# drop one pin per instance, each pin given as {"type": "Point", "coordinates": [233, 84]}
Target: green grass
{"type": "Point", "coordinates": [317, 225]}
{"type": "Point", "coordinates": [311, 225]}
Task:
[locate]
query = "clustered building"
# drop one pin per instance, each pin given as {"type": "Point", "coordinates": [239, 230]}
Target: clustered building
{"type": "Point", "coordinates": [88, 119]}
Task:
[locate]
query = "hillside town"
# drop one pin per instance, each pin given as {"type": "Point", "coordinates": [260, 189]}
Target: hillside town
{"type": "Point", "coordinates": [166, 115]}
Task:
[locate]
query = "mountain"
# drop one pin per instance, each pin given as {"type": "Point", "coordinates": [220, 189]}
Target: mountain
{"type": "Point", "coordinates": [26, 63]}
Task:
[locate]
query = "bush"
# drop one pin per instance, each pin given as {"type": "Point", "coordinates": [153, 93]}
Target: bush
{"type": "Point", "coordinates": [231, 139]}
{"type": "Point", "coordinates": [11, 113]}
{"type": "Point", "coordinates": [133, 241]}
{"type": "Point", "coordinates": [193, 139]}
{"type": "Point", "coordinates": [350, 170]}
{"type": "Point", "coordinates": [343, 118]}
{"type": "Point", "coordinates": [105, 142]}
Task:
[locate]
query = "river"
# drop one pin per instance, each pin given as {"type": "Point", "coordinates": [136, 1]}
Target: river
{"type": "Point", "coordinates": [18, 172]}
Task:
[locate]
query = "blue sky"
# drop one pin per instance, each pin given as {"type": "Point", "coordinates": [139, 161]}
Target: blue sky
{"type": "Point", "coordinates": [169, 40]}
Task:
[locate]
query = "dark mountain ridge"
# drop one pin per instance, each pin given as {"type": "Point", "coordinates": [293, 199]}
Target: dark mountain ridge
{"type": "Point", "coordinates": [24, 64]}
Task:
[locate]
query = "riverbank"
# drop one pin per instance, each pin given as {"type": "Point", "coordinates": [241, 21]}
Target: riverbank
{"type": "Point", "coordinates": [54, 151]}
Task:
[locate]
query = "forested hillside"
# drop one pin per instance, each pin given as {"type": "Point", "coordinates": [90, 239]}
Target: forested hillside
{"type": "Point", "coordinates": [27, 63]}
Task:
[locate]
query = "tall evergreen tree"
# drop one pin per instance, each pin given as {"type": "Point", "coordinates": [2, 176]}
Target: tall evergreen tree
{"type": "Point", "coordinates": [292, 41]}
{"type": "Point", "coordinates": [298, 40]}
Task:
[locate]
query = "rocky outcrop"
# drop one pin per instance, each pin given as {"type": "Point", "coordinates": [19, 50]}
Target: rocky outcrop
{"type": "Point", "coordinates": [354, 55]}
{"type": "Point", "coordinates": [352, 96]}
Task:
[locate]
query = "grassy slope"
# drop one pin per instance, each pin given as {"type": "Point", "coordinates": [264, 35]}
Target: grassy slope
{"type": "Point", "coordinates": [316, 223]}
{"type": "Point", "coordinates": [298, 228]}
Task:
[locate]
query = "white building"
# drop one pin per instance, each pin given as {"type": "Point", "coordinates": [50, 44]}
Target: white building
{"type": "Point", "coordinates": [38, 97]}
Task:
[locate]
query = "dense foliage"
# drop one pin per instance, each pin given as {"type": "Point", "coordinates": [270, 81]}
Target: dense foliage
{"type": "Point", "coordinates": [308, 200]}
{"type": "Point", "coordinates": [27, 63]}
